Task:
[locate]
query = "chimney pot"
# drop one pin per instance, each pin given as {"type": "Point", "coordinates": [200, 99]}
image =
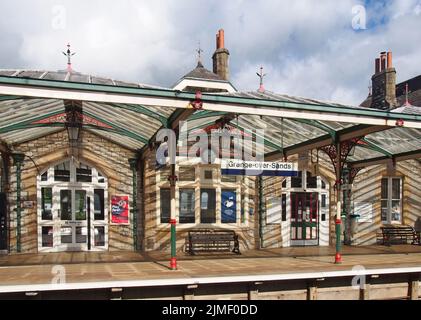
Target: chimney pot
{"type": "Point", "coordinates": [220, 39]}
{"type": "Point", "coordinates": [382, 61]}
{"type": "Point", "coordinates": [377, 65]}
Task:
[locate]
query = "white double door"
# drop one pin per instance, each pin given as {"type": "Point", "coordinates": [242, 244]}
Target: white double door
{"type": "Point", "coordinates": [80, 221]}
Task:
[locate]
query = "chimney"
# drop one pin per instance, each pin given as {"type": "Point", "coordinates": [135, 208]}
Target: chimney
{"type": "Point", "coordinates": [220, 57]}
{"type": "Point", "coordinates": [384, 83]}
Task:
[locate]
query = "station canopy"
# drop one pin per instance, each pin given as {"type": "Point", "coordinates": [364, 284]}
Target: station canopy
{"type": "Point", "coordinates": [33, 104]}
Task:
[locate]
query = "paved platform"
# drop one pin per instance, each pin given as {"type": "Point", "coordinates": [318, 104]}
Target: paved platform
{"type": "Point", "coordinates": [27, 269]}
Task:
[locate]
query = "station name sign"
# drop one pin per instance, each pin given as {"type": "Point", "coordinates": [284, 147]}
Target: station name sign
{"type": "Point", "coordinates": [258, 168]}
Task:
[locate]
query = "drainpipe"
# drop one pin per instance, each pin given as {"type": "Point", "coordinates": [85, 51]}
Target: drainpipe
{"type": "Point", "coordinates": [17, 161]}
{"type": "Point", "coordinates": [133, 163]}
{"type": "Point", "coordinates": [261, 211]}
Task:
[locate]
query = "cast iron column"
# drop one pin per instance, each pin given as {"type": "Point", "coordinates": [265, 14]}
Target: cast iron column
{"type": "Point", "coordinates": [134, 174]}
{"type": "Point", "coordinates": [173, 180]}
{"type": "Point", "coordinates": [338, 222]}
{"type": "Point", "coordinates": [17, 161]}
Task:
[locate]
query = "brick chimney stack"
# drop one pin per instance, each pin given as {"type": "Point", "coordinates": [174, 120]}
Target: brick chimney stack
{"type": "Point", "coordinates": [384, 83]}
{"type": "Point", "coordinates": [220, 57]}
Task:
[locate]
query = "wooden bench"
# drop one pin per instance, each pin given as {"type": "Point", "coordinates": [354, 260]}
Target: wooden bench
{"type": "Point", "coordinates": [399, 235]}
{"type": "Point", "coordinates": [213, 240]}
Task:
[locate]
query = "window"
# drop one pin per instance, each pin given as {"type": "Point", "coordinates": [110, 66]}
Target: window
{"type": "Point", "coordinates": [187, 174]}
{"type": "Point", "coordinates": [99, 236]}
{"type": "Point", "coordinates": [47, 203]}
{"type": "Point", "coordinates": [65, 205]}
{"type": "Point", "coordinates": [208, 174]}
{"type": "Point", "coordinates": [311, 181]}
{"type": "Point", "coordinates": [165, 200]}
{"type": "Point", "coordinates": [84, 173]}
{"type": "Point", "coordinates": [80, 204]}
{"type": "Point", "coordinates": [207, 206]}
{"type": "Point", "coordinates": [323, 204]}
{"type": "Point", "coordinates": [284, 183]}
{"type": "Point", "coordinates": [62, 172]}
{"type": "Point", "coordinates": [47, 236]}
{"type": "Point", "coordinates": [44, 176]}
{"type": "Point", "coordinates": [187, 206]}
{"type": "Point", "coordinates": [101, 178]}
{"type": "Point", "coordinates": [99, 204]}
{"type": "Point", "coordinates": [391, 204]}
{"type": "Point", "coordinates": [284, 207]}
{"type": "Point", "coordinates": [297, 182]}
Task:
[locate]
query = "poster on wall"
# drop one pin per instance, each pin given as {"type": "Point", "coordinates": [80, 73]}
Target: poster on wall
{"type": "Point", "coordinates": [120, 209]}
{"type": "Point", "coordinates": [229, 206]}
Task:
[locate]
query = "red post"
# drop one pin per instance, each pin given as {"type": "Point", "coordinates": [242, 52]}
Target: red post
{"type": "Point", "coordinates": [173, 260]}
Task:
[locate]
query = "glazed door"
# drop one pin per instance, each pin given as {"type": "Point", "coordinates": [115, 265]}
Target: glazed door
{"type": "Point", "coordinates": [73, 215]}
{"type": "Point", "coordinates": [304, 218]}
{"type": "Point", "coordinates": [3, 222]}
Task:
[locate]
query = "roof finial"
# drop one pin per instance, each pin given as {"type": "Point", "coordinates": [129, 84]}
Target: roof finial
{"type": "Point", "coordinates": [69, 54]}
{"type": "Point", "coordinates": [199, 56]}
{"type": "Point", "coordinates": [261, 75]}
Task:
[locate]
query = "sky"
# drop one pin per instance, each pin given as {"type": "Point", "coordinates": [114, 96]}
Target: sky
{"type": "Point", "coordinates": [315, 49]}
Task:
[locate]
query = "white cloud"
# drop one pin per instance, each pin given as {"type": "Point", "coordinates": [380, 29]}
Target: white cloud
{"type": "Point", "coordinates": [307, 48]}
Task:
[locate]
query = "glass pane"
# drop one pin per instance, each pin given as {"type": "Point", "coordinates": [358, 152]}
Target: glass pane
{"type": "Point", "coordinates": [284, 183]}
{"type": "Point", "coordinates": [44, 176]}
{"type": "Point", "coordinates": [323, 184]}
{"type": "Point", "coordinates": [208, 174]}
{"type": "Point", "coordinates": [187, 206]}
{"type": "Point", "coordinates": [80, 204]}
{"type": "Point", "coordinates": [207, 206]}
{"type": "Point", "coordinates": [396, 210]}
{"type": "Point", "coordinates": [284, 207]}
{"type": "Point", "coordinates": [84, 173]}
{"type": "Point", "coordinates": [101, 178]}
{"type": "Point", "coordinates": [323, 204]}
{"type": "Point", "coordinates": [165, 205]}
{"type": "Point", "coordinates": [65, 205]}
{"type": "Point", "coordinates": [47, 236]}
{"type": "Point", "coordinates": [384, 210]}
{"type": "Point", "coordinates": [311, 181]}
{"type": "Point", "coordinates": [66, 234]}
{"type": "Point", "coordinates": [297, 182]}
{"type": "Point", "coordinates": [47, 203]}
{"type": "Point", "coordinates": [99, 204]}
{"type": "Point", "coordinates": [62, 171]}
{"type": "Point", "coordinates": [187, 173]}
{"type": "Point", "coordinates": [396, 188]}
{"type": "Point", "coordinates": [229, 178]}
{"type": "Point", "coordinates": [99, 236]}
{"type": "Point", "coordinates": [81, 234]}
{"type": "Point", "coordinates": [384, 188]}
